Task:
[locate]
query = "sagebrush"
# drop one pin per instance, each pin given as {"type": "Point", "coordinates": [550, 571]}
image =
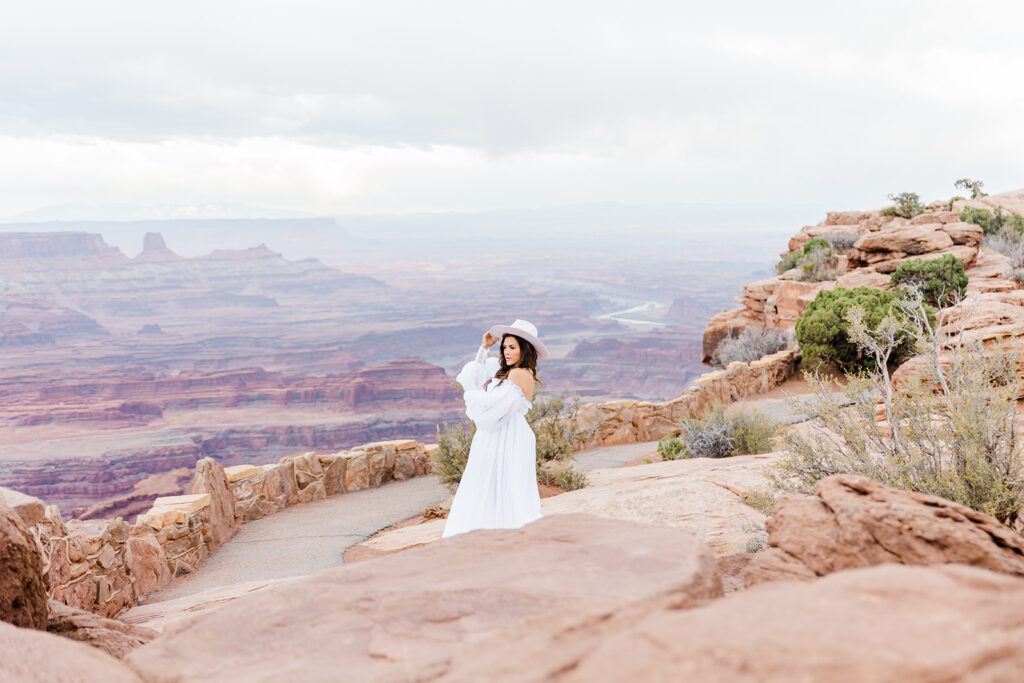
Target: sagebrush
{"type": "Point", "coordinates": [949, 427]}
{"type": "Point", "coordinates": [552, 419]}
{"type": "Point", "coordinates": [720, 434]}
{"type": "Point", "coordinates": [1009, 242]}
{"type": "Point", "coordinates": [816, 261]}
{"type": "Point", "coordinates": [752, 343]}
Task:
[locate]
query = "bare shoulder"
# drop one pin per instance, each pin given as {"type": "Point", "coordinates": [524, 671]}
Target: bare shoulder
{"type": "Point", "coordinates": [524, 378]}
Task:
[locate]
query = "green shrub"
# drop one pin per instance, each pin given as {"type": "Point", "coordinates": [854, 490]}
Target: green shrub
{"type": "Point", "coordinates": [763, 500]}
{"type": "Point", "coordinates": [670, 448]}
{"type": "Point", "coordinates": [973, 185]}
{"type": "Point", "coordinates": [788, 261]}
{"type": "Point", "coordinates": [553, 420]}
{"type": "Point", "coordinates": [448, 462]}
{"type": "Point", "coordinates": [816, 261]}
{"type": "Point", "coordinates": [816, 243]}
{"type": "Point", "coordinates": [752, 432]}
{"type": "Point", "coordinates": [941, 280]}
{"type": "Point", "coordinates": [951, 424]}
{"type": "Point", "coordinates": [992, 222]}
{"type": "Point", "coordinates": [718, 434]}
{"type": "Point", "coordinates": [821, 331]}
{"type": "Point", "coordinates": [908, 205]}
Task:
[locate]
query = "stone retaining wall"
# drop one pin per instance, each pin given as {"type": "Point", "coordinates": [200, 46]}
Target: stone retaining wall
{"type": "Point", "coordinates": [620, 422]}
{"type": "Point", "coordinates": [107, 566]}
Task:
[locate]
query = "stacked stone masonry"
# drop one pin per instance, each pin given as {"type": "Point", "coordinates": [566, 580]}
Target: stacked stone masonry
{"type": "Point", "coordinates": [107, 566]}
{"type": "Point", "coordinates": [620, 422]}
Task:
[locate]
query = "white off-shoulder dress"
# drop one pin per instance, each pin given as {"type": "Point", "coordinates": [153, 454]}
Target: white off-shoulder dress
{"type": "Point", "coordinates": [498, 489]}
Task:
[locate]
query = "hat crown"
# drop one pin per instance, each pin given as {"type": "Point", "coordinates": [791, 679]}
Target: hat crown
{"type": "Point", "coordinates": [525, 326]}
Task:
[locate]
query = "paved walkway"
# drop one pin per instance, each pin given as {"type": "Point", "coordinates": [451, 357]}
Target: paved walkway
{"type": "Point", "coordinates": [307, 538]}
{"type": "Point", "coordinates": [304, 539]}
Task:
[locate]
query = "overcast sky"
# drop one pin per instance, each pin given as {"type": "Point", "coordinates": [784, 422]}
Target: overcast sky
{"type": "Point", "coordinates": [391, 107]}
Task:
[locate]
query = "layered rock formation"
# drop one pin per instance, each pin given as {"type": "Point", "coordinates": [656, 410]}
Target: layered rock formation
{"type": "Point", "coordinates": [856, 522]}
{"type": "Point", "coordinates": [882, 243]}
{"type": "Point", "coordinates": [400, 622]}
{"type": "Point", "coordinates": [701, 496]}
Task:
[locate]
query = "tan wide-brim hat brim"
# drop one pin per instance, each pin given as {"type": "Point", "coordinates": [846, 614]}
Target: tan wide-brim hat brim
{"type": "Point", "coordinates": [498, 330]}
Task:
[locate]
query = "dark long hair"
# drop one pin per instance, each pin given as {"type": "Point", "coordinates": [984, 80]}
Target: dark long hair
{"type": "Point", "coordinates": [527, 359]}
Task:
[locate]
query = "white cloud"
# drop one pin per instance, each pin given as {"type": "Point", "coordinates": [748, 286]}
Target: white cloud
{"type": "Point", "coordinates": [410, 106]}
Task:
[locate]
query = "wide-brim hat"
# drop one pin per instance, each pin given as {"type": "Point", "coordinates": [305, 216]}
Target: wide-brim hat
{"type": "Point", "coordinates": [524, 329]}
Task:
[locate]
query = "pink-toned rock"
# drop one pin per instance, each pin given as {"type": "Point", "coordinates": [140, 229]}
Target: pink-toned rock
{"type": "Point", "coordinates": [863, 278]}
{"type": "Point", "coordinates": [888, 623]}
{"type": "Point", "coordinates": [964, 233]}
{"type": "Point", "coordinates": [908, 239]}
{"type": "Point", "coordinates": [792, 298]}
{"type": "Point", "coordinates": [146, 561]}
{"type": "Point", "coordinates": [408, 613]}
{"type": "Point", "coordinates": [114, 637]}
{"type": "Point", "coordinates": [279, 484]}
{"type": "Point", "coordinates": [1012, 201]}
{"type": "Point", "coordinates": [936, 217]}
{"type": "Point", "coordinates": [22, 587]}
{"type": "Point", "coordinates": [982, 316]}
{"type": "Point", "coordinates": [30, 656]}
{"type": "Point", "coordinates": [965, 253]}
{"type": "Point", "coordinates": [847, 217]}
{"type": "Point", "coordinates": [210, 478]}
{"type": "Point", "coordinates": [857, 522]}
{"type": "Point", "coordinates": [29, 508]}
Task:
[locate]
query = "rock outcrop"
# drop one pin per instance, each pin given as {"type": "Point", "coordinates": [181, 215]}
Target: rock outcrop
{"type": "Point", "coordinates": [29, 656]}
{"type": "Point", "coordinates": [890, 623]}
{"type": "Point", "coordinates": [882, 243]}
{"type": "Point", "coordinates": [411, 612]}
{"type": "Point", "coordinates": [22, 586]}
{"type": "Point", "coordinates": [114, 637]}
{"type": "Point", "coordinates": [703, 496]}
{"type": "Point", "coordinates": [857, 522]}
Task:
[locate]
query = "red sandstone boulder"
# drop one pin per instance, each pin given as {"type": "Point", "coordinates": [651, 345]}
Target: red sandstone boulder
{"type": "Point", "coordinates": [857, 522]}
{"type": "Point", "coordinates": [210, 478]}
{"type": "Point", "coordinates": [22, 587]}
{"type": "Point", "coordinates": [113, 636]}
{"type": "Point", "coordinates": [887, 623]}
{"type": "Point", "coordinates": [30, 656]}
{"type": "Point", "coordinates": [403, 616]}
{"type": "Point", "coordinates": [907, 239]}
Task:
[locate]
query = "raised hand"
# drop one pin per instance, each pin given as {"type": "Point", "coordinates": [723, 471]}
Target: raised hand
{"type": "Point", "coordinates": [489, 340]}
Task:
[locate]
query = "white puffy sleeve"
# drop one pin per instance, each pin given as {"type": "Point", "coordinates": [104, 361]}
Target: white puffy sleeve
{"type": "Point", "coordinates": [489, 408]}
{"type": "Point", "coordinates": [477, 371]}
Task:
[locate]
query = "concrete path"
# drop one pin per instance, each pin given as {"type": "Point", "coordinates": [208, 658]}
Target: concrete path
{"type": "Point", "coordinates": [304, 539]}
{"type": "Point", "coordinates": [307, 538]}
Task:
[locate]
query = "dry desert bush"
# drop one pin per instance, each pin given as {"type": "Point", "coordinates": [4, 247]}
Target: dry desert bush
{"type": "Point", "coordinates": [947, 430]}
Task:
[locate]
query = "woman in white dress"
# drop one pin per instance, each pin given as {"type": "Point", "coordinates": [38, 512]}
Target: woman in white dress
{"type": "Point", "coordinates": [498, 489]}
